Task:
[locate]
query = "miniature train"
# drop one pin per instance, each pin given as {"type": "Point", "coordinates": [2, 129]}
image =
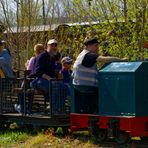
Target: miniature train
{"type": "Point", "coordinates": [122, 104]}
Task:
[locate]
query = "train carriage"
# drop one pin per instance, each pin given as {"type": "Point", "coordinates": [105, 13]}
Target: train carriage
{"type": "Point", "coordinates": [52, 113]}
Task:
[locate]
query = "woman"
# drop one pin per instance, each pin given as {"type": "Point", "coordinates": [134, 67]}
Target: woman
{"type": "Point", "coordinates": [38, 48]}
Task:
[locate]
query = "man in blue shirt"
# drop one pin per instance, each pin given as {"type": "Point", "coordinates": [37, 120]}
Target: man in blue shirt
{"type": "Point", "coordinates": [44, 69]}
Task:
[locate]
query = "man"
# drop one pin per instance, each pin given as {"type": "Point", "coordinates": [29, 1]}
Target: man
{"type": "Point", "coordinates": [85, 77]}
{"type": "Point", "coordinates": [5, 62]}
{"type": "Point", "coordinates": [44, 69]}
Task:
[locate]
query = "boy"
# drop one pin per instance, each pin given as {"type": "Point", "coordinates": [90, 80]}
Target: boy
{"type": "Point", "coordinates": [66, 74]}
{"type": "Point", "coordinates": [66, 70]}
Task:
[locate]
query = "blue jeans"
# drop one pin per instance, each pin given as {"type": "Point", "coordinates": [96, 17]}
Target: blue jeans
{"type": "Point", "coordinates": [43, 85]}
{"type": "Point", "coordinates": [26, 106]}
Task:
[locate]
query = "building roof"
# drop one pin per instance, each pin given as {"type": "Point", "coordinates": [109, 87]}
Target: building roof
{"type": "Point", "coordinates": [32, 28]}
{"type": "Point", "coordinates": [42, 28]}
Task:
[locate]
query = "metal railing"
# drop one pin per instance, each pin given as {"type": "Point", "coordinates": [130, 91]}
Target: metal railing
{"type": "Point", "coordinates": [10, 88]}
{"type": "Point", "coordinates": [8, 95]}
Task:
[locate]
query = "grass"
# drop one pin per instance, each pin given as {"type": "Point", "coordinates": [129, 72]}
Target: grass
{"type": "Point", "coordinates": [22, 138]}
{"type": "Point", "coordinates": [11, 137]}
{"type": "Point", "coordinates": [47, 139]}
{"type": "Point", "coordinates": [19, 138]}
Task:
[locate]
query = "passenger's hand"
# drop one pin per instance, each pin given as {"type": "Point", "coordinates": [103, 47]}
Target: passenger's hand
{"type": "Point", "coordinates": [49, 79]}
{"type": "Point", "coordinates": [60, 76]}
{"type": "Point", "coordinates": [124, 59]}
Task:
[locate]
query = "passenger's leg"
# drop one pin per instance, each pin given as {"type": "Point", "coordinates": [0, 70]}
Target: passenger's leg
{"type": "Point", "coordinates": [78, 101]}
{"type": "Point", "coordinates": [42, 85]}
{"type": "Point", "coordinates": [30, 102]}
{"type": "Point", "coordinates": [19, 107]}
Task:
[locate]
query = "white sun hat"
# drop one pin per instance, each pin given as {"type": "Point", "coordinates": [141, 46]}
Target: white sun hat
{"type": "Point", "coordinates": [52, 41]}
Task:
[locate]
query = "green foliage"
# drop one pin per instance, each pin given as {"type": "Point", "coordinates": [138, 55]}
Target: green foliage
{"type": "Point", "coordinates": [121, 24]}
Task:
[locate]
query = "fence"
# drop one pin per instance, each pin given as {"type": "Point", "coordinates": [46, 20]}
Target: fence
{"type": "Point", "coordinates": [8, 95]}
{"type": "Point", "coordinates": [58, 100]}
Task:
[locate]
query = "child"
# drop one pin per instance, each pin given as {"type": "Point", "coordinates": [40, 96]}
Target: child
{"type": "Point", "coordinates": [66, 70]}
{"type": "Point", "coordinates": [66, 74]}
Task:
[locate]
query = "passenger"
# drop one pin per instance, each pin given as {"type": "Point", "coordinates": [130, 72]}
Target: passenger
{"type": "Point", "coordinates": [5, 62]}
{"type": "Point", "coordinates": [85, 77]}
{"type": "Point", "coordinates": [66, 70]}
{"type": "Point", "coordinates": [19, 107]}
{"type": "Point", "coordinates": [38, 48]}
{"type": "Point", "coordinates": [45, 68]}
{"type": "Point", "coordinates": [66, 75]}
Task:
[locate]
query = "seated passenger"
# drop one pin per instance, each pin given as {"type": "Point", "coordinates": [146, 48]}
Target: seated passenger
{"type": "Point", "coordinates": [66, 75]}
{"type": "Point", "coordinates": [5, 62]}
{"type": "Point", "coordinates": [45, 68]}
{"type": "Point", "coordinates": [19, 107]}
{"type": "Point", "coordinates": [66, 70]}
{"type": "Point", "coordinates": [38, 48]}
{"type": "Point", "coordinates": [85, 77]}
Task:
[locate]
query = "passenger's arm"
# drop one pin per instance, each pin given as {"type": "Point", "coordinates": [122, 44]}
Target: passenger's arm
{"type": "Point", "coordinates": [39, 67]}
{"type": "Point", "coordinates": [107, 59]}
{"type": "Point", "coordinates": [90, 59]}
{"type": "Point", "coordinates": [5, 59]}
{"type": "Point", "coordinates": [46, 77]}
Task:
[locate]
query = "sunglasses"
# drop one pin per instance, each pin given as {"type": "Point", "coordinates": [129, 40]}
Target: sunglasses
{"type": "Point", "coordinates": [53, 44]}
{"type": "Point", "coordinates": [68, 63]}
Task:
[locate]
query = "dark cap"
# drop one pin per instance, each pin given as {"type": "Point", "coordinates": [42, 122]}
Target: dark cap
{"type": "Point", "coordinates": [90, 41]}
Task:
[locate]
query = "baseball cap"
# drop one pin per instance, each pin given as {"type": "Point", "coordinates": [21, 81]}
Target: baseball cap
{"type": "Point", "coordinates": [52, 41]}
{"type": "Point", "coordinates": [90, 41]}
{"type": "Point", "coordinates": [66, 60]}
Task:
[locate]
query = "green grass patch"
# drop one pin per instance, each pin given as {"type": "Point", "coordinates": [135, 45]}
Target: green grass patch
{"type": "Point", "coordinates": [21, 138]}
{"type": "Point", "coordinates": [11, 137]}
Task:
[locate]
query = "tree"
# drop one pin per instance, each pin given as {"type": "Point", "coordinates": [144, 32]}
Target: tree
{"type": "Point", "coordinates": [122, 24]}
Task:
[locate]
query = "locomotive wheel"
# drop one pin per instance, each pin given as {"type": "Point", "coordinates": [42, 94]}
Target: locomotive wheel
{"type": "Point", "coordinates": [123, 138]}
{"type": "Point", "coordinates": [92, 128]}
{"type": "Point", "coordinates": [102, 135]}
{"type": "Point", "coordinates": [92, 131]}
{"type": "Point", "coordinates": [144, 139]}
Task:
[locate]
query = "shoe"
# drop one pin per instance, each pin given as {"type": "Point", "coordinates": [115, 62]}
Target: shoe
{"type": "Point", "coordinates": [48, 107]}
{"type": "Point", "coordinates": [17, 108]}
